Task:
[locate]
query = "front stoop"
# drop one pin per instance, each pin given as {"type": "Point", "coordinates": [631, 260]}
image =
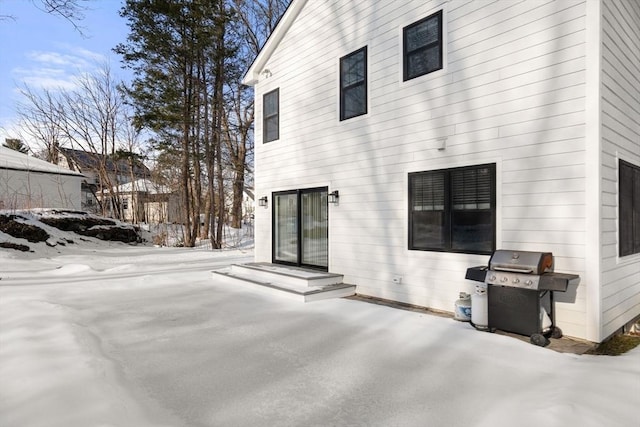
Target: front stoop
{"type": "Point", "coordinates": [292, 282]}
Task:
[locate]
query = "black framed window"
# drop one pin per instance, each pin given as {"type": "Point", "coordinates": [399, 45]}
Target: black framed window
{"type": "Point", "coordinates": [353, 84]}
{"type": "Point", "coordinates": [453, 210]}
{"type": "Point", "coordinates": [629, 208]}
{"type": "Point", "coordinates": [422, 46]}
{"type": "Point", "coordinates": [271, 115]}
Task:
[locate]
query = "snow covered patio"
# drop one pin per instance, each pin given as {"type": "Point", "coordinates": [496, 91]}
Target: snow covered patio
{"type": "Point", "coordinates": [140, 336]}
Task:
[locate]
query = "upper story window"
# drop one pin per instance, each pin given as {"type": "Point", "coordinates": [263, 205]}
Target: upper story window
{"type": "Point", "coordinates": [271, 116]}
{"type": "Point", "coordinates": [422, 46]}
{"type": "Point", "coordinates": [629, 208]}
{"type": "Point", "coordinates": [453, 210]}
{"type": "Point", "coordinates": [353, 84]}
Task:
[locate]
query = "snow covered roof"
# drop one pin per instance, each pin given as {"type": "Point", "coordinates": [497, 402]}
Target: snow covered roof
{"type": "Point", "coordinates": [14, 160]}
{"type": "Point", "coordinates": [142, 185]}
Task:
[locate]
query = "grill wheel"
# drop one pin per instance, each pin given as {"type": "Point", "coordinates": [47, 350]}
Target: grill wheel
{"type": "Point", "coordinates": [539, 340]}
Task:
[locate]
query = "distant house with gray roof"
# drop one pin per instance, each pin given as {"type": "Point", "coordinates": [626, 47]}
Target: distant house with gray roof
{"type": "Point", "coordinates": [102, 172]}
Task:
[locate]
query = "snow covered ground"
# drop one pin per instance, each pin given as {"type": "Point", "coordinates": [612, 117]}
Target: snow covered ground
{"type": "Point", "coordinates": [142, 336]}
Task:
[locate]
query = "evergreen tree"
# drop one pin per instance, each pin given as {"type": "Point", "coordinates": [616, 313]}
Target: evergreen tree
{"type": "Point", "coordinates": [175, 49]}
{"type": "Point", "coordinates": [16, 144]}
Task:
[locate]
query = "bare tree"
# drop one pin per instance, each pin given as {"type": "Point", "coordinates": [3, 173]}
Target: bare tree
{"type": "Point", "coordinates": [256, 19]}
{"type": "Point", "coordinates": [90, 118]}
{"type": "Point", "coordinates": [70, 10]}
{"type": "Point", "coordinates": [39, 118]}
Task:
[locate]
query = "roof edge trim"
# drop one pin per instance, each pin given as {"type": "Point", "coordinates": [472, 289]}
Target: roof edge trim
{"type": "Point", "coordinates": [252, 75]}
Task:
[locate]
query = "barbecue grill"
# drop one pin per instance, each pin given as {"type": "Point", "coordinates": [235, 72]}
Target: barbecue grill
{"type": "Point", "coordinates": [520, 287]}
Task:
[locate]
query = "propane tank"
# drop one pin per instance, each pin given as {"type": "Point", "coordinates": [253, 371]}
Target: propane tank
{"type": "Point", "coordinates": [463, 308]}
{"type": "Point", "coordinates": [545, 319]}
{"type": "Point", "coordinates": [479, 305]}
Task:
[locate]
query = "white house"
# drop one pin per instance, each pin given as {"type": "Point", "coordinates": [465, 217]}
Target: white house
{"type": "Point", "coordinates": [100, 171]}
{"type": "Point", "coordinates": [27, 182]}
{"type": "Point", "coordinates": [145, 201]}
{"type": "Point", "coordinates": [450, 129]}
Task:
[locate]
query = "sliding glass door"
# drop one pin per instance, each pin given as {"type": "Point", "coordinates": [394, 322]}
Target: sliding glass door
{"type": "Point", "coordinates": [314, 228]}
{"type": "Point", "coordinates": [285, 227]}
{"type": "Point", "coordinates": [300, 228]}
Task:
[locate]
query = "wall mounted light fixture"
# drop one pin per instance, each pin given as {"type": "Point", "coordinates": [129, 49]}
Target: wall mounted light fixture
{"type": "Point", "coordinates": [263, 201]}
{"type": "Point", "coordinates": [334, 197]}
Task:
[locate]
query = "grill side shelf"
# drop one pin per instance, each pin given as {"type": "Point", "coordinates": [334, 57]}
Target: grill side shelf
{"type": "Point", "coordinates": [476, 273]}
{"type": "Point", "coordinates": [557, 281]}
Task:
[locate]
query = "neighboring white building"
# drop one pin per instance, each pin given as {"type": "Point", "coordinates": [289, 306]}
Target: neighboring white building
{"type": "Point", "coordinates": [248, 204]}
{"type": "Point", "coordinates": [144, 201]}
{"type": "Point", "coordinates": [451, 129]}
{"type": "Point", "coordinates": [27, 183]}
{"type": "Point", "coordinates": [101, 171]}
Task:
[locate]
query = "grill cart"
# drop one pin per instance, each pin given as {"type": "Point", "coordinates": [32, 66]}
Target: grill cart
{"type": "Point", "coordinates": [520, 288]}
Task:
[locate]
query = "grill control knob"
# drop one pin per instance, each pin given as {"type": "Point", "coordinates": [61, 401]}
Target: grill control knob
{"type": "Point", "coordinates": [504, 279]}
{"type": "Point", "coordinates": [516, 280]}
{"type": "Point", "coordinates": [492, 278]}
{"type": "Point", "coordinates": [529, 282]}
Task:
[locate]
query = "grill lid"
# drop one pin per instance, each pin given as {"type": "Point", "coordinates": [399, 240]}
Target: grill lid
{"type": "Point", "coordinates": [521, 261]}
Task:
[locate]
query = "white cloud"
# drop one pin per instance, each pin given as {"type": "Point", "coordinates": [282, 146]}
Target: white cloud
{"type": "Point", "coordinates": [40, 71]}
{"type": "Point", "coordinates": [58, 59]}
{"type": "Point", "coordinates": [49, 82]}
{"type": "Point", "coordinates": [45, 77]}
{"type": "Point", "coordinates": [53, 58]}
{"type": "Point", "coordinates": [85, 53]}
{"type": "Point", "coordinates": [57, 69]}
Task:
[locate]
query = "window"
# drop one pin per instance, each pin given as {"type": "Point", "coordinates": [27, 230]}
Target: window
{"type": "Point", "coordinates": [353, 84]}
{"type": "Point", "coordinates": [422, 46]}
{"type": "Point", "coordinates": [271, 114]}
{"type": "Point", "coordinates": [629, 208]}
{"type": "Point", "coordinates": [453, 210]}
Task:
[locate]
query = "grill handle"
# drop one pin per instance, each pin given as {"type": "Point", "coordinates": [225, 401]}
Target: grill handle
{"type": "Point", "coordinates": [514, 270]}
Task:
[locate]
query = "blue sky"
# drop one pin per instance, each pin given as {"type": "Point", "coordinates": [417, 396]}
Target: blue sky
{"type": "Point", "coordinates": [45, 51]}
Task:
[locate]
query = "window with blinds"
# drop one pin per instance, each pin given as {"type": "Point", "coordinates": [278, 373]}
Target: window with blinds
{"type": "Point", "coordinates": [628, 208]}
{"type": "Point", "coordinates": [271, 116]}
{"type": "Point", "coordinates": [471, 188]}
{"type": "Point", "coordinates": [428, 192]}
{"type": "Point", "coordinates": [453, 210]}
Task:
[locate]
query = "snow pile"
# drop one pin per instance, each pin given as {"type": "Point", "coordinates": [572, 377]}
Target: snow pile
{"type": "Point", "coordinates": [144, 336]}
{"type": "Point", "coordinates": [45, 232]}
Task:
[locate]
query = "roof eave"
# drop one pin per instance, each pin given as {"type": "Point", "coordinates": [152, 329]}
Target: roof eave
{"type": "Point", "coordinates": [252, 76]}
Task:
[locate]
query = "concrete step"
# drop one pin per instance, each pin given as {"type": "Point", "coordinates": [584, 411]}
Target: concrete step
{"type": "Point", "coordinates": [282, 274]}
{"type": "Point", "coordinates": [297, 290]}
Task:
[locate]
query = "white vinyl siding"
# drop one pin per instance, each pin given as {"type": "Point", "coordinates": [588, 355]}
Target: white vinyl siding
{"type": "Point", "coordinates": [24, 189]}
{"type": "Point", "coordinates": [512, 92]}
{"type": "Point", "coordinates": [620, 140]}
